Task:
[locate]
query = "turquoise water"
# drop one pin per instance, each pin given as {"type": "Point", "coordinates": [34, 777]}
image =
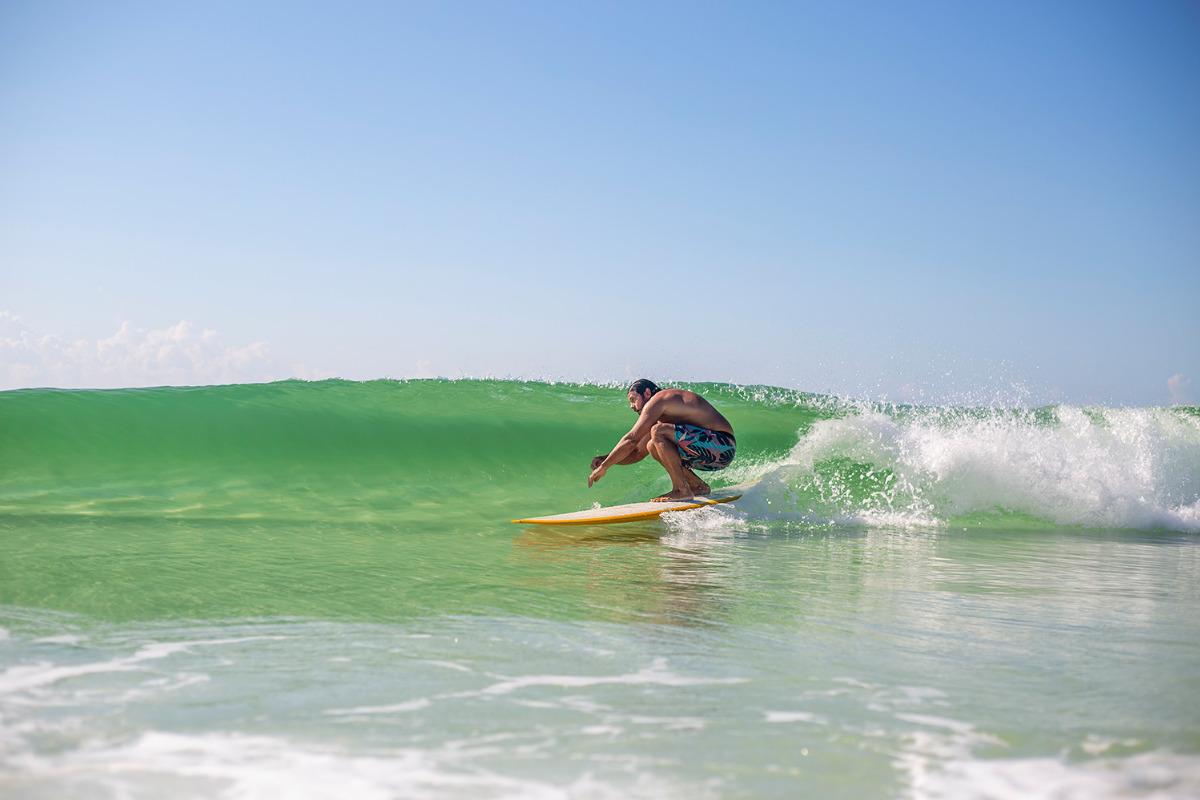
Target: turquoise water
{"type": "Point", "coordinates": [314, 589]}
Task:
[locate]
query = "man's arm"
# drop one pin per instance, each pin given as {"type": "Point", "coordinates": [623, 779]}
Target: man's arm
{"type": "Point", "coordinates": [642, 452]}
{"type": "Point", "coordinates": [627, 446]}
{"type": "Point", "coordinates": [632, 458]}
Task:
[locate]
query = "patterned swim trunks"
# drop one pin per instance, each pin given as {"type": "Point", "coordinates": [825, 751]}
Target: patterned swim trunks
{"type": "Point", "coordinates": [700, 448]}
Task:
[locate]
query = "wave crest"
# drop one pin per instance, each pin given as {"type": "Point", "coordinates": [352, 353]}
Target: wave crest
{"type": "Point", "coordinates": [1095, 467]}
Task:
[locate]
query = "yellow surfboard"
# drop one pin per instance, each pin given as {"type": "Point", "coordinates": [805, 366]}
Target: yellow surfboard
{"type": "Point", "coordinates": [632, 512]}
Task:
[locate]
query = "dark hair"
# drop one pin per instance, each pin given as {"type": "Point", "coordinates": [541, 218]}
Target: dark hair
{"type": "Point", "coordinates": [641, 385]}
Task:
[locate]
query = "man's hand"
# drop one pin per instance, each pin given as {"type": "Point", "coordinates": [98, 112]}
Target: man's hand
{"type": "Point", "coordinates": [596, 475]}
{"type": "Point", "coordinates": [598, 460]}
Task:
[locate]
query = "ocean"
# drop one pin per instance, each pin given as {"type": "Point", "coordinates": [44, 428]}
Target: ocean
{"type": "Point", "coordinates": [313, 589]}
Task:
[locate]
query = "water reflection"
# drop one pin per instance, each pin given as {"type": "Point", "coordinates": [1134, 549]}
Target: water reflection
{"type": "Point", "coordinates": [979, 584]}
{"type": "Point", "coordinates": [638, 571]}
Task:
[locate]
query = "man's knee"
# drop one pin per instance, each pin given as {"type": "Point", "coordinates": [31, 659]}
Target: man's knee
{"type": "Point", "coordinates": [663, 431]}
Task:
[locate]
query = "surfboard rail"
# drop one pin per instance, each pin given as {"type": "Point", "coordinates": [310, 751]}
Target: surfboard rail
{"type": "Point", "coordinates": [630, 512]}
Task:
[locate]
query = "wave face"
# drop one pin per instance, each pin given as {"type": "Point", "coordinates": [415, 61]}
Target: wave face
{"type": "Point", "coordinates": [433, 453]}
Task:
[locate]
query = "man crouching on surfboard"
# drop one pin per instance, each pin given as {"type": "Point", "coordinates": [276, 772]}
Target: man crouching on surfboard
{"type": "Point", "coordinates": [681, 430]}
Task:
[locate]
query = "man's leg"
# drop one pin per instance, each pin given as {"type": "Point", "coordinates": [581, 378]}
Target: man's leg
{"type": "Point", "coordinates": [637, 455]}
{"type": "Point", "coordinates": [695, 484]}
{"type": "Point", "coordinates": [662, 447]}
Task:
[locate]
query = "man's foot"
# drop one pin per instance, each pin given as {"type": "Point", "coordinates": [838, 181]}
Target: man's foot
{"type": "Point", "coordinates": [699, 488]}
{"type": "Point", "coordinates": [681, 494]}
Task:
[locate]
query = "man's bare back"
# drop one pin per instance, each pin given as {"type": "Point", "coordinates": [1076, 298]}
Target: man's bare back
{"type": "Point", "coordinates": [681, 430]}
{"type": "Point", "coordinates": [680, 405]}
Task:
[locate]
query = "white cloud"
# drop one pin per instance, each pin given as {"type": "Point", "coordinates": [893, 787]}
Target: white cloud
{"type": "Point", "coordinates": [181, 354]}
{"type": "Point", "coordinates": [1179, 388]}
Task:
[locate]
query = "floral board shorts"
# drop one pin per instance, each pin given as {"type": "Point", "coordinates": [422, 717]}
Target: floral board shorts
{"type": "Point", "coordinates": [700, 448]}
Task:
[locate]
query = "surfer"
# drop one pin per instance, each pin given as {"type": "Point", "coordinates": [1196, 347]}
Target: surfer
{"type": "Point", "coordinates": [681, 430]}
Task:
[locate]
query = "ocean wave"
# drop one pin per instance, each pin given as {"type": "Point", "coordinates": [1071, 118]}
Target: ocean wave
{"type": "Point", "coordinates": [1135, 468]}
{"type": "Point", "coordinates": [408, 451]}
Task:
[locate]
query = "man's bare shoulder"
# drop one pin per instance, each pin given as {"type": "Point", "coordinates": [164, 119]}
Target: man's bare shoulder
{"type": "Point", "coordinates": [680, 405]}
{"type": "Point", "coordinates": [669, 395]}
{"type": "Point", "coordinates": [675, 399]}
{"type": "Point", "coordinates": [662, 400]}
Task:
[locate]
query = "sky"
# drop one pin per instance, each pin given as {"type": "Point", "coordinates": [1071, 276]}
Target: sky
{"type": "Point", "coordinates": [926, 201]}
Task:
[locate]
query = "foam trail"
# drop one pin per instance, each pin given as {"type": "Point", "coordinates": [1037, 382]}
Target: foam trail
{"type": "Point", "coordinates": [1108, 468]}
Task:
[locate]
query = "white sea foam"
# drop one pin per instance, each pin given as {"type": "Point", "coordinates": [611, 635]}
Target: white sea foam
{"type": "Point", "coordinates": [1157, 775]}
{"type": "Point", "coordinates": [656, 673]}
{"type": "Point", "coordinates": [702, 520]}
{"type": "Point", "coordinates": [938, 760]}
{"type": "Point", "coordinates": [669, 723]}
{"type": "Point", "coordinates": [65, 638]}
{"type": "Point", "coordinates": [394, 708]}
{"type": "Point", "coordinates": [448, 665]}
{"type": "Point", "coordinates": [245, 766]}
{"type": "Point", "coordinates": [795, 716]}
{"type": "Point", "coordinates": [1097, 467]}
{"type": "Point", "coordinates": [1098, 745]}
{"type": "Point", "coordinates": [30, 676]}
{"type": "Point", "coordinates": [601, 730]}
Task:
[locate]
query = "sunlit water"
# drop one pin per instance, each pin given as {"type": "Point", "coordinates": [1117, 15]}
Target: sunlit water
{"type": "Point", "coordinates": [266, 618]}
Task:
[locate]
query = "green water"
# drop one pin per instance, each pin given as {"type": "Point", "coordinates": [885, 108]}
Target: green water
{"type": "Point", "coordinates": [314, 589]}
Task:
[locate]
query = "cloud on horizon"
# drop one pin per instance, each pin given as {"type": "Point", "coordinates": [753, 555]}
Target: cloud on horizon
{"type": "Point", "coordinates": [1179, 389]}
{"type": "Point", "coordinates": [182, 354]}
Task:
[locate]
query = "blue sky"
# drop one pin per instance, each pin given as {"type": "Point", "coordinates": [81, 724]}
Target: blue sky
{"type": "Point", "coordinates": [918, 200]}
